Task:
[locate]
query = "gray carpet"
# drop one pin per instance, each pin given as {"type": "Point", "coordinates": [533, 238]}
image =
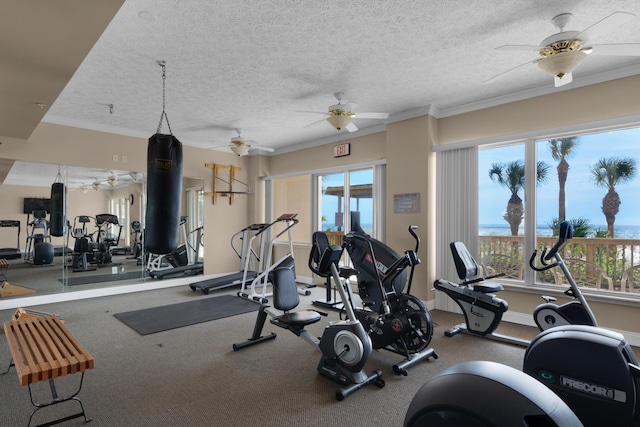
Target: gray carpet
{"type": "Point", "coordinates": [163, 318]}
{"type": "Point", "coordinates": [191, 376]}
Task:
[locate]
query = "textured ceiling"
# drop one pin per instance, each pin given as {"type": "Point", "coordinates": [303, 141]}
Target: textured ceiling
{"type": "Point", "coordinates": [35, 174]}
{"type": "Point", "coordinates": [269, 67]}
{"type": "Point", "coordinates": [256, 65]}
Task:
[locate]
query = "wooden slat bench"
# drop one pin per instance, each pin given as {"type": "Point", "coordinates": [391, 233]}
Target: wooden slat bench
{"type": "Point", "coordinates": [42, 349]}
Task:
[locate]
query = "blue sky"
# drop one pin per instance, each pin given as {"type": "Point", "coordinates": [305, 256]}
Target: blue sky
{"type": "Point", "coordinates": [583, 198]}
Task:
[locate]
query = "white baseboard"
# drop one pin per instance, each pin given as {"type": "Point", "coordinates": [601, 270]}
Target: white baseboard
{"type": "Point", "coordinates": [632, 338]}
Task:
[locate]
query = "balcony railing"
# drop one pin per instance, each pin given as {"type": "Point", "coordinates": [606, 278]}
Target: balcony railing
{"type": "Point", "coordinates": [615, 257]}
{"type": "Point", "coordinates": [607, 263]}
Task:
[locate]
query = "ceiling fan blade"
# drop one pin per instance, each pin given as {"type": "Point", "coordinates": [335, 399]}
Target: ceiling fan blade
{"type": "Point", "coordinates": [314, 112]}
{"type": "Point", "coordinates": [316, 122]}
{"type": "Point", "coordinates": [619, 49]}
{"type": "Point", "coordinates": [372, 115]}
{"type": "Point", "coordinates": [351, 127]}
{"type": "Point", "coordinates": [606, 24]}
{"type": "Point", "coordinates": [262, 148]}
{"type": "Point", "coordinates": [499, 76]}
{"type": "Point", "coordinates": [566, 79]}
{"type": "Point", "coordinates": [518, 47]}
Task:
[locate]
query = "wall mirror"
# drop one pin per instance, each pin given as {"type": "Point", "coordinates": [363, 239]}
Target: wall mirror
{"type": "Point", "coordinates": [102, 243]}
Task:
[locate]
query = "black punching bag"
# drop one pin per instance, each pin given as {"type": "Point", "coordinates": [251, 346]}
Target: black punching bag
{"type": "Point", "coordinates": [56, 220]}
{"type": "Point", "coordinates": [164, 190]}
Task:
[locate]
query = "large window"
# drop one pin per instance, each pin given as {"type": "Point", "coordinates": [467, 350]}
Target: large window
{"type": "Point", "coordinates": [333, 201]}
{"type": "Point", "coordinates": [120, 208]}
{"type": "Point", "coordinates": [346, 201]}
{"type": "Point", "coordinates": [591, 180]}
{"type": "Point", "coordinates": [195, 224]}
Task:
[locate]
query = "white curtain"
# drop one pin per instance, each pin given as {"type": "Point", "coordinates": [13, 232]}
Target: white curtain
{"type": "Point", "coordinates": [456, 212]}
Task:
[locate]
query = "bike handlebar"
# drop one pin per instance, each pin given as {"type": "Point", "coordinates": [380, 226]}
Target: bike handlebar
{"type": "Point", "coordinates": [564, 235]}
{"type": "Point", "coordinates": [415, 236]}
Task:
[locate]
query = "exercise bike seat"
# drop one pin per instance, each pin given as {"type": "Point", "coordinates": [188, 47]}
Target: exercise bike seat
{"type": "Point", "coordinates": [285, 298]}
{"type": "Point", "coordinates": [488, 287]}
{"type": "Point", "coordinates": [468, 270]}
{"type": "Point", "coordinates": [346, 272]}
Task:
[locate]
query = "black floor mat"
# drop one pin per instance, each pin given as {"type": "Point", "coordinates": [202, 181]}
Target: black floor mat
{"type": "Point", "coordinates": [157, 319]}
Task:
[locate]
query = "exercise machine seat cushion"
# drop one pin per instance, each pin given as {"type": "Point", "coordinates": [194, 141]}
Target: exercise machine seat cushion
{"type": "Point", "coordinates": [466, 265]}
{"type": "Point", "coordinates": [488, 287]}
{"type": "Point", "coordinates": [285, 298]}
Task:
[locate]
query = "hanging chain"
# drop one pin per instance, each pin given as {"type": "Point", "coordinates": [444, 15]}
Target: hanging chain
{"type": "Point", "coordinates": [59, 178]}
{"type": "Point", "coordinates": [164, 114]}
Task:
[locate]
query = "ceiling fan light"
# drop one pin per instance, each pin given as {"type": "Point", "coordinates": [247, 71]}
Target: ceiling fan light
{"type": "Point", "coordinates": [240, 150]}
{"type": "Point", "coordinates": [96, 185]}
{"type": "Point", "coordinates": [83, 189]}
{"type": "Point", "coordinates": [112, 181]}
{"type": "Point", "coordinates": [339, 121]}
{"type": "Point", "coordinates": [563, 63]}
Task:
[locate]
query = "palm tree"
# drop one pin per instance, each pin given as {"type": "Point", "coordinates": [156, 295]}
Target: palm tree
{"type": "Point", "coordinates": [581, 226]}
{"type": "Point", "coordinates": [607, 173]}
{"type": "Point", "coordinates": [511, 176]}
{"type": "Point", "coordinates": [561, 149]}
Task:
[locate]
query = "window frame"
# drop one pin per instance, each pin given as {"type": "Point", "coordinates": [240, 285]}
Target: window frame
{"type": "Point", "coordinates": [530, 140]}
{"type": "Point", "coordinates": [379, 185]}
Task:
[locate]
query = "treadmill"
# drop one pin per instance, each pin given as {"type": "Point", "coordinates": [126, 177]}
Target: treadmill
{"type": "Point", "coordinates": [179, 259]}
{"type": "Point", "coordinates": [247, 236]}
{"type": "Point", "coordinates": [11, 253]}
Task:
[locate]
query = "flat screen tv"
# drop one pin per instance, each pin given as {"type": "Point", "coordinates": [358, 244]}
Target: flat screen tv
{"type": "Point", "coordinates": [36, 204]}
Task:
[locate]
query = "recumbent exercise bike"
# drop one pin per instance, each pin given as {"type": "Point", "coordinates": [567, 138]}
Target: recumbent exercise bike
{"type": "Point", "coordinates": [396, 320]}
{"type": "Point", "coordinates": [483, 310]}
{"type": "Point", "coordinates": [344, 344]}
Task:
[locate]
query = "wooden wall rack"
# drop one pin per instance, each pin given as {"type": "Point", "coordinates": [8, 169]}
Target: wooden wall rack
{"type": "Point", "coordinates": [230, 192]}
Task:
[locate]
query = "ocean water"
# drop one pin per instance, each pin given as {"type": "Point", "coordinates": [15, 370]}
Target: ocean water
{"type": "Point", "coordinates": [621, 231]}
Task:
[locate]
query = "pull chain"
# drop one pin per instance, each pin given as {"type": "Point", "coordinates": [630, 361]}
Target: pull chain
{"type": "Point", "coordinates": [164, 114]}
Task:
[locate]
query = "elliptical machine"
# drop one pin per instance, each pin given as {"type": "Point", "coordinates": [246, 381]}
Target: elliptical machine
{"type": "Point", "coordinates": [396, 321]}
{"type": "Point", "coordinates": [483, 310]}
{"type": "Point", "coordinates": [344, 344]}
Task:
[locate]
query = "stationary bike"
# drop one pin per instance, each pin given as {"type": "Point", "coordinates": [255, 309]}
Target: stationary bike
{"type": "Point", "coordinates": [593, 370]}
{"type": "Point", "coordinates": [483, 310]}
{"type": "Point", "coordinates": [574, 312]}
{"type": "Point", "coordinates": [395, 320]}
{"type": "Point", "coordinates": [344, 344]}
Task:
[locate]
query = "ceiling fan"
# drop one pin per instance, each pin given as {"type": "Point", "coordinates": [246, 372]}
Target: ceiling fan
{"type": "Point", "coordinates": [562, 52]}
{"type": "Point", "coordinates": [341, 115]}
{"type": "Point", "coordinates": [241, 146]}
{"type": "Point", "coordinates": [113, 180]}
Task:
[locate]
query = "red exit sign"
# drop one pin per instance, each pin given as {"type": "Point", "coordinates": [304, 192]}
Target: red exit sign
{"type": "Point", "coordinates": [341, 150]}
